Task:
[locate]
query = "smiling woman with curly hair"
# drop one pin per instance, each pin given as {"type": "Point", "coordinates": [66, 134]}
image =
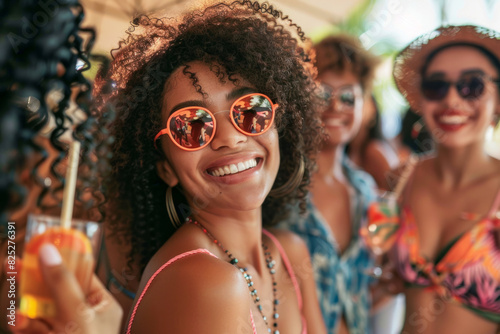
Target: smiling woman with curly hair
{"type": "Point", "coordinates": [214, 137]}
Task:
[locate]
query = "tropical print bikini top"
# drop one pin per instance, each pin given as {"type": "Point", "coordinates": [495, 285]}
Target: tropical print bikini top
{"type": "Point", "coordinates": [466, 271]}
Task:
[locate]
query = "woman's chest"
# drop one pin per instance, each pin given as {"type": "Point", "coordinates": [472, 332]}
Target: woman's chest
{"type": "Point", "coordinates": [334, 206]}
{"type": "Point", "coordinates": [439, 218]}
{"type": "Point", "coordinates": [279, 305]}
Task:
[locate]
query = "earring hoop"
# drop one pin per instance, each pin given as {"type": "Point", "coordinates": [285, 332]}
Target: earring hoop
{"type": "Point", "coordinates": [292, 184]}
{"type": "Point", "coordinates": [172, 213]}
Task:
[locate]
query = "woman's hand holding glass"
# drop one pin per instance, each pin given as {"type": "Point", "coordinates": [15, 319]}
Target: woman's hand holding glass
{"type": "Point", "coordinates": [96, 313]}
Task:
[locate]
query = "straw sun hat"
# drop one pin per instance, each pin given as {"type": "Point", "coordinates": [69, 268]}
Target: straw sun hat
{"type": "Point", "coordinates": [409, 62]}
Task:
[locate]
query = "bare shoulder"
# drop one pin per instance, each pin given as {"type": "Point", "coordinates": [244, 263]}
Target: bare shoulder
{"type": "Point", "coordinates": [295, 248]}
{"type": "Point", "coordinates": [190, 295]}
{"type": "Point", "coordinates": [413, 166]}
{"type": "Point", "coordinates": [185, 239]}
{"type": "Point", "coordinates": [376, 151]}
{"type": "Point", "coordinates": [186, 269]}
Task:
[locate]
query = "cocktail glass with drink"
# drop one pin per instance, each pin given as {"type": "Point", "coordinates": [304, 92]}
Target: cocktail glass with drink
{"type": "Point", "coordinates": [381, 230]}
{"type": "Point", "coordinates": [77, 246]}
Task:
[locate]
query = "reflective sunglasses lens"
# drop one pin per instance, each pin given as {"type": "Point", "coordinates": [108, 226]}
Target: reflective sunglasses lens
{"type": "Point", "coordinates": [347, 98]}
{"type": "Point", "coordinates": [253, 114]}
{"type": "Point", "coordinates": [435, 89]}
{"type": "Point", "coordinates": [471, 88]}
{"type": "Point", "coordinates": [324, 93]}
{"type": "Point", "coordinates": [191, 128]}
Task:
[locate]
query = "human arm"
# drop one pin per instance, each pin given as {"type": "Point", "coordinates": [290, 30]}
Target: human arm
{"type": "Point", "coordinates": [197, 294]}
{"type": "Point", "coordinates": [379, 160]}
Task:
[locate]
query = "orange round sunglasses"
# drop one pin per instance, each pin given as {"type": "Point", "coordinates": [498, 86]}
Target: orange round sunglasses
{"type": "Point", "coordinates": [193, 128]}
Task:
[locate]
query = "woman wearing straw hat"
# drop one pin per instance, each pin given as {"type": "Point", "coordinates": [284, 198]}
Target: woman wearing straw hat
{"type": "Point", "coordinates": [446, 246]}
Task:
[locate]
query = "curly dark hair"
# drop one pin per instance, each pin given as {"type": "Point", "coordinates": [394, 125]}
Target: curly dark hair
{"type": "Point", "coordinates": [344, 52]}
{"type": "Point", "coordinates": [243, 38]}
{"type": "Point", "coordinates": [43, 51]}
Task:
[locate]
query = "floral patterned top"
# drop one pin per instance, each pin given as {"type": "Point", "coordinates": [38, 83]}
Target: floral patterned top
{"type": "Point", "coordinates": [341, 280]}
{"type": "Point", "coordinates": [466, 271]}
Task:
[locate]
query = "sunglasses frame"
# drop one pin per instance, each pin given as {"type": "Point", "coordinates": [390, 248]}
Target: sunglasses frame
{"type": "Point", "coordinates": [334, 94]}
{"type": "Point", "coordinates": [167, 130]}
{"type": "Point", "coordinates": [450, 83]}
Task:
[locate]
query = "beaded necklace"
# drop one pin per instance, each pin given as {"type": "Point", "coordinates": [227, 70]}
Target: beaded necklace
{"type": "Point", "coordinates": [253, 291]}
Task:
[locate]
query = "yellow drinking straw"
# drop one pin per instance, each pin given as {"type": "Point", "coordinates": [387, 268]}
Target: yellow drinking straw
{"type": "Point", "coordinates": [69, 187]}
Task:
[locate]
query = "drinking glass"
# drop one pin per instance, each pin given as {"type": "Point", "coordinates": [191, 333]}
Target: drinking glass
{"type": "Point", "coordinates": [380, 232]}
{"type": "Point", "coordinates": [78, 245]}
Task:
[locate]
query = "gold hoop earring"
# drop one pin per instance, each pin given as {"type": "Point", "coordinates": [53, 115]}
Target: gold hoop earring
{"type": "Point", "coordinates": [292, 184]}
{"type": "Point", "coordinates": [172, 213]}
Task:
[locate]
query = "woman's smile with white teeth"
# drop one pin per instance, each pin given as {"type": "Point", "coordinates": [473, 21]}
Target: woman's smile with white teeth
{"type": "Point", "coordinates": [453, 119]}
{"type": "Point", "coordinates": [233, 168]}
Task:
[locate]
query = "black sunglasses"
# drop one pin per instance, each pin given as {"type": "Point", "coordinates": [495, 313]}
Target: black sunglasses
{"type": "Point", "coordinates": [469, 87]}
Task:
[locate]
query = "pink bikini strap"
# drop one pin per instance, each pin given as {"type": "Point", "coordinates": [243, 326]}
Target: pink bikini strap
{"type": "Point", "coordinates": [254, 330]}
{"type": "Point", "coordinates": [289, 269]}
{"type": "Point", "coordinates": [288, 266]}
{"type": "Point", "coordinates": [172, 260]}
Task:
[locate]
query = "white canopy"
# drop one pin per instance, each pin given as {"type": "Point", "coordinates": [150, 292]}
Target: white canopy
{"type": "Point", "coordinates": [111, 18]}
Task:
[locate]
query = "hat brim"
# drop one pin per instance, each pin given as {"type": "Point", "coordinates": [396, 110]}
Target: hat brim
{"type": "Point", "coordinates": [410, 61]}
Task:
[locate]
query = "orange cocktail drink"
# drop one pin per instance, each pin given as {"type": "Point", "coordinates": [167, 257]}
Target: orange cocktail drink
{"type": "Point", "coordinates": [76, 245]}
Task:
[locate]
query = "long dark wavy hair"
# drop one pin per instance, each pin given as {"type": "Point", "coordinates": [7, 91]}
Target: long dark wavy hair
{"type": "Point", "coordinates": [244, 37]}
{"type": "Point", "coordinates": [41, 51]}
